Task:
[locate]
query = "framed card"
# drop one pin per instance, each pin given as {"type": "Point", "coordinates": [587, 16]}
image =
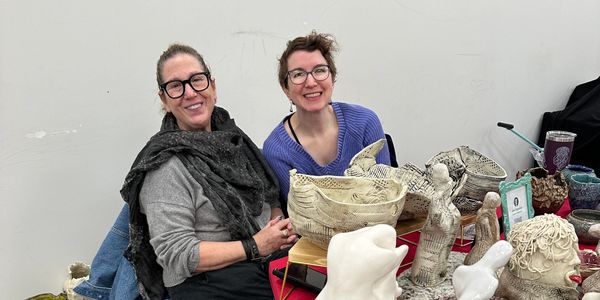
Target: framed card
{"type": "Point", "coordinates": [516, 202]}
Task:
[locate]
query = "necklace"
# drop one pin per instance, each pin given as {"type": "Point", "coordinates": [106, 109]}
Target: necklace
{"type": "Point", "coordinates": [289, 122]}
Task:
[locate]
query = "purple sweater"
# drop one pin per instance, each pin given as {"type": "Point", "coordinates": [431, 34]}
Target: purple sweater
{"type": "Point", "coordinates": [358, 128]}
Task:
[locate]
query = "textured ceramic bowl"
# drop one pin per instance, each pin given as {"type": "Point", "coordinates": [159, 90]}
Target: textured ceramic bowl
{"type": "Point", "coordinates": [322, 206]}
{"type": "Point", "coordinates": [548, 191]}
{"type": "Point", "coordinates": [484, 174]}
{"type": "Point", "coordinates": [571, 170]}
{"type": "Point", "coordinates": [582, 220]}
{"type": "Point", "coordinates": [584, 192]}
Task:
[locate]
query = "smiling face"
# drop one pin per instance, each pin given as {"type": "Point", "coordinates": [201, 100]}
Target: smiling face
{"type": "Point", "coordinates": [312, 95]}
{"type": "Point", "coordinates": [194, 109]}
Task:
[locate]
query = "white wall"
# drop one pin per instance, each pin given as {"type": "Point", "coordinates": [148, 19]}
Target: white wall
{"type": "Point", "coordinates": [78, 94]}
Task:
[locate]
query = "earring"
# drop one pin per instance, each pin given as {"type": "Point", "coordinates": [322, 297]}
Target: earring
{"type": "Point", "coordinates": [291, 103]}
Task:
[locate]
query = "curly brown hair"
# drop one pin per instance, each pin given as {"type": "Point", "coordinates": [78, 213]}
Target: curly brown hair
{"type": "Point", "coordinates": [324, 43]}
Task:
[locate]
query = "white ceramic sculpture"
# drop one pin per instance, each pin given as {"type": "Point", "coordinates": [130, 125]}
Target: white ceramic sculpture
{"type": "Point", "coordinates": [362, 264]}
{"type": "Point", "coordinates": [487, 228]}
{"type": "Point", "coordinates": [545, 261]}
{"type": "Point", "coordinates": [591, 296]}
{"type": "Point", "coordinates": [322, 206]}
{"type": "Point", "coordinates": [479, 281]}
{"type": "Point", "coordinates": [437, 235]}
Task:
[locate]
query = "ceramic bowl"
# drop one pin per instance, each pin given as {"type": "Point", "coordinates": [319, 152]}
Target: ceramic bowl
{"type": "Point", "coordinates": [582, 220]}
{"type": "Point", "coordinates": [584, 192]}
{"type": "Point", "coordinates": [548, 191]}
{"type": "Point", "coordinates": [571, 170]}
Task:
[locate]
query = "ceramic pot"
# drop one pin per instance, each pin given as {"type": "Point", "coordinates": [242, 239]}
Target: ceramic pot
{"type": "Point", "coordinates": [548, 192]}
{"type": "Point", "coordinates": [584, 191]}
{"type": "Point", "coordinates": [582, 220]}
{"type": "Point", "coordinates": [571, 170]}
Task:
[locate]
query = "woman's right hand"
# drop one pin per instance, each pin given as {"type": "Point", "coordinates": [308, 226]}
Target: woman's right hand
{"type": "Point", "coordinates": [277, 234]}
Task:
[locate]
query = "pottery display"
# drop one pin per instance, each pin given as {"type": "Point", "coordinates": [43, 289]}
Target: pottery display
{"type": "Point", "coordinates": [582, 220]}
{"type": "Point", "coordinates": [484, 174]}
{"type": "Point", "coordinates": [571, 170]}
{"type": "Point", "coordinates": [321, 206]}
{"type": "Point", "coordinates": [544, 264]}
{"type": "Point", "coordinates": [548, 192]}
{"type": "Point", "coordinates": [362, 264]}
{"type": "Point", "coordinates": [479, 281]}
{"type": "Point", "coordinates": [487, 228]}
{"type": "Point", "coordinates": [584, 191]}
{"type": "Point", "coordinates": [429, 267]}
{"type": "Point", "coordinates": [420, 189]}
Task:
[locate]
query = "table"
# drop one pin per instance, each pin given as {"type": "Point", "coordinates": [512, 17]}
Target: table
{"type": "Point", "coordinates": [305, 252]}
{"type": "Point", "coordinates": [407, 235]}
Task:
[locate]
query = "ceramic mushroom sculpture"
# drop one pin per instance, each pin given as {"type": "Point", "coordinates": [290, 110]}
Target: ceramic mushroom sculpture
{"type": "Point", "coordinates": [362, 264]}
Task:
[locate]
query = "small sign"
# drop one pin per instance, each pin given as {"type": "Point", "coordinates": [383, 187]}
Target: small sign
{"type": "Point", "coordinates": [516, 202]}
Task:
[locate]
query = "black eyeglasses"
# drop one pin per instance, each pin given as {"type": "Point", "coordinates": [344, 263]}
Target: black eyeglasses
{"type": "Point", "coordinates": [176, 88]}
{"type": "Point", "coordinates": [299, 76]}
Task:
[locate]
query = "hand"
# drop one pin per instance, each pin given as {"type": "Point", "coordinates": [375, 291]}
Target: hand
{"type": "Point", "coordinates": [277, 234]}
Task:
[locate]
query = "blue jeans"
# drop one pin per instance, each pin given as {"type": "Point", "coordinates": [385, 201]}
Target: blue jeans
{"type": "Point", "coordinates": [112, 276]}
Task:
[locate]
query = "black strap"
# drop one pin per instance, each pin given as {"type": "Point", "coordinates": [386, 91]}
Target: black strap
{"type": "Point", "coordinates": [292, 128]}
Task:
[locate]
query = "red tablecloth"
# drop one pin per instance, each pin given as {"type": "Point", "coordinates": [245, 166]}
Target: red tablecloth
{"type": "Point", "coordinates": [301, 294]}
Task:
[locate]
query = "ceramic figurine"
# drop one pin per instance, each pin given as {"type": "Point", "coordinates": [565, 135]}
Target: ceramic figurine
{"type": "Point", "coordinates": [437, 235]}
{"type": "Point", "coordinates": [483, 173]}
{"type": "Point", "coordinates": [548, 191]}
{"type": "Point", "coordinates": [322, 206]}
{"type": "Point", "coordinates": [362, 264]}
{"type": "Point", "coordinates": [420, 189]}
{"type": "Point", "coordinates": [479, 281]}
{"type": "Point", "coordinates": [545, 261]}
{"type": "Point", "coordinates": [487, 229]}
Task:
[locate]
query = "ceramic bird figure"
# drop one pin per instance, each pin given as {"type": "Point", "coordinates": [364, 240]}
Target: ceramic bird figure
{"type": "Point", "coordinates": [479, 280]}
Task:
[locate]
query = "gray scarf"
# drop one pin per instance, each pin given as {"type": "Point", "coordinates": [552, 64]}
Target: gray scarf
{"type": "Point", "coordinates": [225, 162]}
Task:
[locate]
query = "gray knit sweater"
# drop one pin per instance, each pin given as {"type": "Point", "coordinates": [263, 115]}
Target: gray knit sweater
{"type": "Point", "coordinates": [179, 217]}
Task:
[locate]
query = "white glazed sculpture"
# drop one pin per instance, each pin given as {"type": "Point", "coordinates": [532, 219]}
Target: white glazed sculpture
{"type": "Point", "coordinates": [479, 281]}
{"type": "Point", "coordinates": [545, 261]}
{"type": "Point", "coordinates": [437, 235]}
{"type": "Point", "coordinates": [487, 229]}
{"type": "Point", "coordinates": [591, 296]}
{"type": "Point", "coordinates": [362, 264]}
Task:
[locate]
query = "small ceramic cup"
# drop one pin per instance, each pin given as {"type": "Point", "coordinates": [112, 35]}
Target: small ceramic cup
{"type": "Point", "coordinates": [582, 220]}
{"type": "Point", "coordinates": [584, 192]}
